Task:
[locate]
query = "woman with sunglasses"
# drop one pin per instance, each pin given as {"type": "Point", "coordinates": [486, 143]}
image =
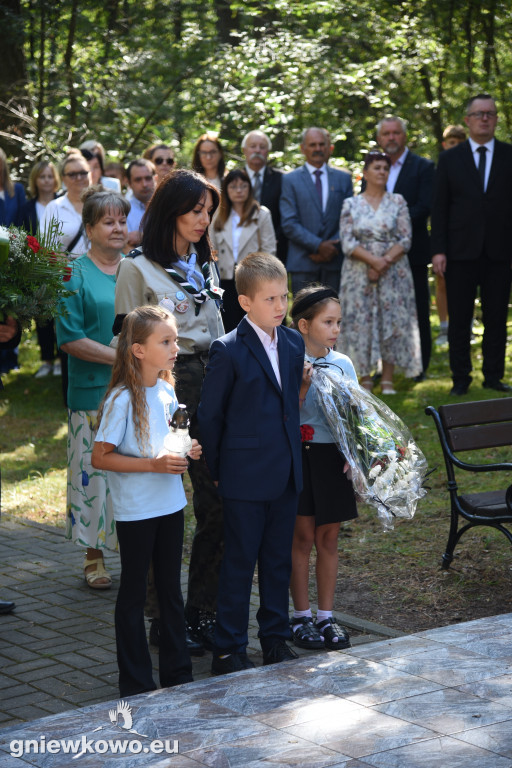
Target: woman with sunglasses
{"type": "Point", "coordinates": [66, 210]}
{"type": "Point", "coordinates": [162, 157]}
{"type": "Point", "coordinates": [208, 159]}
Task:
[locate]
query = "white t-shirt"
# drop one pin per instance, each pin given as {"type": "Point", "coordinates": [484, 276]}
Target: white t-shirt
{"type": "Point", "coordinates": [141, 495]}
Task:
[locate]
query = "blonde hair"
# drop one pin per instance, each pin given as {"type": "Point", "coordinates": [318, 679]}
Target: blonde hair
{"type": "Point", "coordinates": [256, 268]}
{"type": "Point", "coordinates": [454, 132]}
{"type": "Point", "coordinates": [137, 326]}
{"type": "Point", "coordinates": [36, 171]}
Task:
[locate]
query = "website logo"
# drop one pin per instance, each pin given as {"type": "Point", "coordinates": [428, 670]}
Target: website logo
{"type": "Point", "coordinates": [122, 718]}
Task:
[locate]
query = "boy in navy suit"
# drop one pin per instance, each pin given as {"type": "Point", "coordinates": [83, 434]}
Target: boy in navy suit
{"type": "Point", "coordinates": [249, 422]}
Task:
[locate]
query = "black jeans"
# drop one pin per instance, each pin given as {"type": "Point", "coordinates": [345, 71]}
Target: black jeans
{"type": "Point", "coordinates": [159, 539]}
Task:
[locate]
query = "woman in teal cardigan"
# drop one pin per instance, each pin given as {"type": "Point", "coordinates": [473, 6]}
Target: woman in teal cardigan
{"type": "Point", "coordinates": [84, 333]}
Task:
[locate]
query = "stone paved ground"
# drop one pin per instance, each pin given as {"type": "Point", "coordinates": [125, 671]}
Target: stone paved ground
{"type": "Point", "coordinates": [57, 650]}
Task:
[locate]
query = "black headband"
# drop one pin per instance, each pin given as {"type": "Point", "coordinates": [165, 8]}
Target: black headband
{"type": "Point", "coordinates": [313, 298]}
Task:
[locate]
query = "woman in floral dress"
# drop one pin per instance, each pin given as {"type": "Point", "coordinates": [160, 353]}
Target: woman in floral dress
{"type": "Point", "coordinates": [378, 306]}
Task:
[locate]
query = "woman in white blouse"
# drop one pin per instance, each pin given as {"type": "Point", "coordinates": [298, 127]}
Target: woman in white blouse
{"type": "Point", "coordinates": [67, 210]}
{"type": "Point", "coordinates": [242, 226]}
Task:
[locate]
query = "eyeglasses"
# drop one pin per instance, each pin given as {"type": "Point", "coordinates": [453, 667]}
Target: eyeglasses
{"type": "Point", "coordinates": [161, 160]}
{"type": "Point", "coordinates": [235, 187]}
{"type": "Point", "coordinates": [481, 113]}
{"type": "Point", "coordinates": [77, 174]}
{"type": "Point", "coordinates": [208, 153]}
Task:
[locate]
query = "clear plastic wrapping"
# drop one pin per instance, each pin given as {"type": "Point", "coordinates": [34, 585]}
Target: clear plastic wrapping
{"type": "Point", "coordinates": [387, 467]}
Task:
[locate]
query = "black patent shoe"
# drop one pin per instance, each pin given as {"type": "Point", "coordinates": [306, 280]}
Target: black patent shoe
{"type": "Point", "coordinates": [306, 635]}
{"type": "Point", "coordinates": [335, 636]}
{"type": "Point", "coordinates": [277, 653]}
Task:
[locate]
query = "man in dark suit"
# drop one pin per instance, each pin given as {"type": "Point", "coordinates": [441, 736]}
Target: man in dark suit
{"type": "Point", "coordinates": [266, 182]}
{"type": "Point", "coordinates": [311, 201]}
{"type": "Point", "coordinates": [411, 176]}
{"type": "Point", "coordinates": [472, 242]}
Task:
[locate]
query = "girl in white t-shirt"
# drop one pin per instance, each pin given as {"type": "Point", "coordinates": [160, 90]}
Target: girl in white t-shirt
{"type": "Point", "coordinates": [147, 495]}
{"type": "Point", "coordinates": [327, 498]}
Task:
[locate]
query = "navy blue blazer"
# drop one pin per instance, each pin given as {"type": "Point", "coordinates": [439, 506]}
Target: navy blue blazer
{"type": "Point", "coordinates": [249, 425]}
{"type": "Point", "coordinates": [10, 207]}
{"type": "Point", "coordinates": [303, 221]}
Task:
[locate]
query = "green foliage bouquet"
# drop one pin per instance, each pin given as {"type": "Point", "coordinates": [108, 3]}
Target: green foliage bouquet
{"type": "Point", "coordinates": [387, 467]}
{"type": "Point", "coordinates": [33, 275]}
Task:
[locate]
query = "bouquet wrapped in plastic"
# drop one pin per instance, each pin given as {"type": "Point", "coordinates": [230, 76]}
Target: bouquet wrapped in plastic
{"type": "Point", "coordinates": [387, 467]}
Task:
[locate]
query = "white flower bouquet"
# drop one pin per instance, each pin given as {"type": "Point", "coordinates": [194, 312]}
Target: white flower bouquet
{"type": "Point", "coordinates": [387, 467]}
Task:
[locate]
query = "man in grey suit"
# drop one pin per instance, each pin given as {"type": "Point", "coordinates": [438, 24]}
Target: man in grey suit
{"type": "Point", "coordinates": [311, 200]}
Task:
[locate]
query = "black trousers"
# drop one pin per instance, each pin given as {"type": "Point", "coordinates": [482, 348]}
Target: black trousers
{"type": "Point", "coordinates": [159, 539]}
{"type": "Point", "coordinates": [47, 339]}
{"type": "Point", "coordinates": [422, 295]}
{"type": "Point", "coordinates": [462, 281]}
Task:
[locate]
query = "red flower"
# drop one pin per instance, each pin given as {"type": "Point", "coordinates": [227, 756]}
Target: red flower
{"type": "Point", "coordinates": [306, 433]}
{"type": "Point", "coordinates": [67, 274]}
{"type": "Point", "coordinates": [33, 244]}
{"type": "Point", "coordinates": [52, 257]}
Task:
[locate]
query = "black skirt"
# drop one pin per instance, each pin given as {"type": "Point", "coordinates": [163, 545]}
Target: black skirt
{"type": "Point", "coordinates": [327, 492]}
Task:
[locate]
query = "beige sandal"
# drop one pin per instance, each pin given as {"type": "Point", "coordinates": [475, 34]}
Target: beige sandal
{"type": "Point", "coordinates": [386, 387]}
{"type": "Point", "coordinates": [91, 577]}
{"type": "Point", "coordinates": [367, 383]}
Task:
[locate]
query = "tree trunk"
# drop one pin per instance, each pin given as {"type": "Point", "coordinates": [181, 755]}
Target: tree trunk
{"type": "Point", "coordinates": [13, 73]}
{"type": "Point", "coordinates": [73, 102]}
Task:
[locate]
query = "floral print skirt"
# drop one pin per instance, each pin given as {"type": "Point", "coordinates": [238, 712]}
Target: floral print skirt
{"type": "Point", "coordinates": [89, 514]}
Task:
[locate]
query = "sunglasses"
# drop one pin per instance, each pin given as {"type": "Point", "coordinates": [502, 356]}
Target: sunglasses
{"type": "Point", "coordinates": [77, 174]}
{"type": "Point", "coordinates": [161, 160]}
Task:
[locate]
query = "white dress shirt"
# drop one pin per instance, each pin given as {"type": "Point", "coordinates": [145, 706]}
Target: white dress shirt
{"type": "Point", "coordinates": [488, 157]}
{"type": "Point", "coordinates": [395, 170]}
{"type": "Point", "coordinates": [134, 218]}
{"type": "Point", "coordinates": [235, 233]}
{"type": "Point", "coordinates": [270, 347]}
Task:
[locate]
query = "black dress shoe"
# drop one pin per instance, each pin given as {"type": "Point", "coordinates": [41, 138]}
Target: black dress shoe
{"type": "Point", "coordinates": [459, 389]}
{"type": "Point", "coordinates": [227, 665]}
{"type": "Point", "coordinates": [420, 377]}
{"type": "Point", "coordinates": [499, 386]}
{"type": "Point", "coordinates": [6, 606]}
{"type": "Point", "coordinates": [277, 653]}
{"type": "Point", "coordinates": [193, 646]}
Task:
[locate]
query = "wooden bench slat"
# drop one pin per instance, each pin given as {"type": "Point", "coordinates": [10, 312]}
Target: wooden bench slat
{"type": "Point", "coordinates": [476, 412]}
{"type": "Point", "coordinates": [482, 436]}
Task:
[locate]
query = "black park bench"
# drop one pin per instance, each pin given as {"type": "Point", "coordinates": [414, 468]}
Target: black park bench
{"type": "Point", "coordinates": [468, 427]}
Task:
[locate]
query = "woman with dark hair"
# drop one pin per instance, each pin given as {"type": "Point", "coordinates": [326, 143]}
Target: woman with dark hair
{"type": "Point", "coordinates": [378, 307]}
{"type": "Point", "coordinates": [84, 332]}
{"type": "Point", "coordinates": [43, 183]}
{"type": "Point", "coordinates": [174, 268]}
{"type": "Point", "coordinates": [242, 226]}
{"type": "Point", "coordinates": [208, 158]}
{"type": "Point", "coordinates": [162, 157]}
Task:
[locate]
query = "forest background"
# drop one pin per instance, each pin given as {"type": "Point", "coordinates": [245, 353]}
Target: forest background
{"type": "Point", "coordinates": [129, 73]}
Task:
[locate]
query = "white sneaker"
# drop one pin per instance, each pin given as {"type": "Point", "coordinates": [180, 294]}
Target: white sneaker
{"type": "Point", "coordinates": [44, 370]}
{"type": "Point", "coordinates": [442, 339]}
{"type": "Point", "coordinates": [57, 369]}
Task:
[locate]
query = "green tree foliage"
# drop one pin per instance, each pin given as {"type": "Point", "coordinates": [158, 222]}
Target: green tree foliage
{"type": "Point", "coordinates": [129, 73]}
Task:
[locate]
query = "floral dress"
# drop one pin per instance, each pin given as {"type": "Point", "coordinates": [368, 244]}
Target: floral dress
{"type": "Point", "coordinates": [378, 320]}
